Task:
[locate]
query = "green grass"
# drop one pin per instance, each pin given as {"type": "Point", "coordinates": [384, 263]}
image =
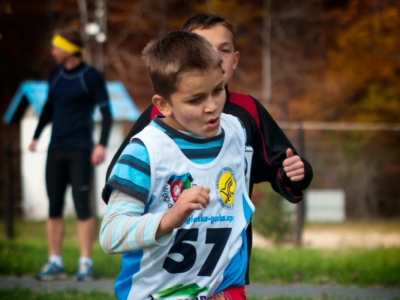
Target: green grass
{"type": "Point", "coordinates": [27, 252]}
{"type": "Point", "coordinates": [26, 294]}
{"type": "Point", "coordinates": [348, 267]}
{"type": "Point", "coordinates": [361, 267]}
{"type": "Point", "coordinates": [27, 257]}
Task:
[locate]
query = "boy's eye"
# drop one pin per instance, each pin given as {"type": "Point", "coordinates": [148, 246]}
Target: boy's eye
{"type": "Point", "coordinates": [226, 51]}
{"type": "Point", "coordinates": [218, 90]}
{"type": "Point", "coordinates": [194, 100]}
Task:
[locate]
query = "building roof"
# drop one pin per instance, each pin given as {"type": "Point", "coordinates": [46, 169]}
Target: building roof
{"type": "Point", "coordinates": [34, 94]}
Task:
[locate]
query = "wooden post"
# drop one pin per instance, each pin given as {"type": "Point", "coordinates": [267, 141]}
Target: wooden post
{"type": "Point", "coordinates": [300, 207]}
{"type": "Point", "coordinates": [8, 191]}
{"type": "Point", "coordinates": [266, 55]}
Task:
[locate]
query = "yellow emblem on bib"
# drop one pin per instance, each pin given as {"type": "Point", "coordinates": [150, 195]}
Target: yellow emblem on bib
{"type": "Point", "coordinates": [226, 186]}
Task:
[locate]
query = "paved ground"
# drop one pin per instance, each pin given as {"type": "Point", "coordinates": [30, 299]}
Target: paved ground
{"type": "Point", "coordinates": [311, 291]}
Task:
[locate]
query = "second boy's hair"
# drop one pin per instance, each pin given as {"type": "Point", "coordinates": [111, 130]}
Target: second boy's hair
{"type": "Point", "coordinates": [206, 21]}
{"type": "Point", "coordinates": [179, 52]}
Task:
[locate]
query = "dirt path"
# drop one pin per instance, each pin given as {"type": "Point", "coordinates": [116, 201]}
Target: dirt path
{"type": "Point", "coordinates": [338, 238]}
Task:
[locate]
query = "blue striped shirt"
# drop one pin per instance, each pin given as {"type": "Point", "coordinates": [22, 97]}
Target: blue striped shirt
{"type": "Point", "coordinates": [125, 225]}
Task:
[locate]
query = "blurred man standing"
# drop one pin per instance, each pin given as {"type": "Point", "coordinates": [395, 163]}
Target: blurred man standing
{"type": "Point", "coordinates": [75, 88]}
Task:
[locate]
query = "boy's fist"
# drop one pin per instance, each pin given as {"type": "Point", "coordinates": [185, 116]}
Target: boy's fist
{"type": "Point", "coordinates": [293, 166]}
{"type": "Point", "coordinates": [195, 198]}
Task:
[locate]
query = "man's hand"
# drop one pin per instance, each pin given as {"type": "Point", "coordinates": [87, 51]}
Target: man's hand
{"type": "Point", "coordinates": [195, 198]}
{"type": "Point", "coordinates": [98, 154]}
{"type": "Point", "coordinates": [293, 166]}
{"type": "Point", "coordinates": [32, 145]}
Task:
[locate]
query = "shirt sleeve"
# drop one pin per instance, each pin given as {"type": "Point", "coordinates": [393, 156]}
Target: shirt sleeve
{"type": "Point", "coordinates": [106, 124]}
{"type": "Point", "coordinates": [47, 111]}
{"type": "Point", "coordinates": [96, 86]}
{"type": "Point", "coordinates": [141, 123]}
{"type": "Point", "coordinates": [45, 118]}
{"type": "Point", "coordinates": [131, 174]}
{"type": "Point", "coordinates": [126, 228]}
{"type": "Point", "coordinates": [270, 144]}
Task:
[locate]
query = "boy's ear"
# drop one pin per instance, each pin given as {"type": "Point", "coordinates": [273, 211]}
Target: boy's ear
{"type": "Point", "coordinates": [236, 59]}
{"type": "Point", "coordinates": [163, 105]}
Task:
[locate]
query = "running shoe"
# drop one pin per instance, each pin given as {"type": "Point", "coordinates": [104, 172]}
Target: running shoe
{"type": "Point", "coordinates": [84, 272]}
{"type": "Point", "coordinates": [51, 271]}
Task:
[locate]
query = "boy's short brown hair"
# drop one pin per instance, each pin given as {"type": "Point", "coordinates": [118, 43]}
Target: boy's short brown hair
{"type": "Point", "coordinates": [206, 21]}
{"type": "Point", "coordinates": [179, 52]}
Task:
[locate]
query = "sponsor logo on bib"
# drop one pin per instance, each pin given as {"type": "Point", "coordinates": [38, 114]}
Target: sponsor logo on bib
{"type": "Point", "coordinates": [225, 186]}
{"type": "Point", "coordinates": [178, 184]}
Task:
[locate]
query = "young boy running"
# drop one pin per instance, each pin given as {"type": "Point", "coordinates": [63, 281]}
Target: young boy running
{"type": "Point", "coordinates": [178, 207]}
{"type": "Point", "coordinates": [274, 160]}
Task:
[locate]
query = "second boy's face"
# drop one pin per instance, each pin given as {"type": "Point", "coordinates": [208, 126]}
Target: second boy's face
{"type": "Point", "coordinates": [197, 104]}
{"type": "Point", "coordinates": [222, 41]}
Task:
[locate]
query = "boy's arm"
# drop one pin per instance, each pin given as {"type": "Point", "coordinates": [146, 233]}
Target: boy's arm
{"type": "Point", "coordinates": [142, 122]}
{"type": "Point", "coordinates": [270, 151]}
{"type": "Point", "coordinates": [126, 228]}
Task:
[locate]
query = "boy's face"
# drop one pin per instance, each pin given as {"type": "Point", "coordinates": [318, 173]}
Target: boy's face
{"type": "Point", "coordinates": [197, 104]}
{"type": "Point", "coordinates": [222, 41]}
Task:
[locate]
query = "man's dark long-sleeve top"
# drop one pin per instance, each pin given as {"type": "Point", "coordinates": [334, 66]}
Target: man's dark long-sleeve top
{"type": "Point", "coordinates": [71, 100]}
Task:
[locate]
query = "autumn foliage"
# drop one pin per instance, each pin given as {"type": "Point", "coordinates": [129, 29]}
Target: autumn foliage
{"type": "Point", "coordinates": [331, 60]}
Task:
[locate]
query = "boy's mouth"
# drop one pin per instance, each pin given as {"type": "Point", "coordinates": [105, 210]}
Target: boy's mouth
{"type": "Point", "coordinates": [213, 123]}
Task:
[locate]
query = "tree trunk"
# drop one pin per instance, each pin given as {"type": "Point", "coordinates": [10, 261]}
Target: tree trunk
{"type": "Point", "coordinates": [266, 54]}
{"type": "Point", "coordinates": [83, 20]}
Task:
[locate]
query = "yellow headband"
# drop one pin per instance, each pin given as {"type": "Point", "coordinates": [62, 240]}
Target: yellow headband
{"type": "Point", "coordinates": [65, 45]}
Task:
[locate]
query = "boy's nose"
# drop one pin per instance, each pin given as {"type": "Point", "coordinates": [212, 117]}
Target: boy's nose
{"type": "Point", "coordinates": [211, 105]}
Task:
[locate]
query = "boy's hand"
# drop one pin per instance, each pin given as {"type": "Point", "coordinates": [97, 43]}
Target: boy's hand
{"type": "Point", "coordinates": [195, 198]}
{"type": "Point", "coordinates": [293, 166]}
